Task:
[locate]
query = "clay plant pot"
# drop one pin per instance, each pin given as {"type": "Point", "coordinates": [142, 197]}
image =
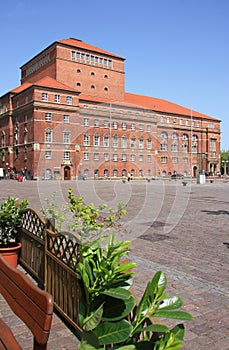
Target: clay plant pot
{"type": "Point", "coordinates": [11, 253]}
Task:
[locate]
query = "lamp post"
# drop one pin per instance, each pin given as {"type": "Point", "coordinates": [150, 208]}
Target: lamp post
{"type": "Point", "coordinates": [225, 162]}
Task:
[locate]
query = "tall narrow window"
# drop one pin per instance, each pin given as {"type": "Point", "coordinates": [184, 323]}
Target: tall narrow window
{"type": "Point", "coordinates": [66, 137]}
{"type": "Point", "coordinates": [48, 135]}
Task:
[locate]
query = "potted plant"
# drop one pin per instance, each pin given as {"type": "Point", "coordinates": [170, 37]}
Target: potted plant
{"type": "Point", "coordinates": [11, 211]}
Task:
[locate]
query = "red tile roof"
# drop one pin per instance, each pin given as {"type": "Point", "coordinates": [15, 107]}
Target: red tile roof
{"type": "Point", "coordinates": [45, 82]}
{"type": "Point", "coordinates": [160, 105]}
{"type": "Point", "coordinates": [82, 45]}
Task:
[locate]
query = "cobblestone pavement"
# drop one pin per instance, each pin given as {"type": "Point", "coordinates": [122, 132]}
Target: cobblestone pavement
{"type": "Point", "coordinates": [181, 230]}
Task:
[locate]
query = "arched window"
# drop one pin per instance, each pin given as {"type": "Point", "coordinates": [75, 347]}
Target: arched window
{"type": "Point", "coordinates": [115, 140]}
{"type": "Point", "coordinates": [185, 137]}
{"type": "Point", "coordinates": [115, 173]}
{"type": "Point", "coordinates": [141, 143]}
{"type": "Point", "coordinates": [96, 140]}
{"type": "Point", "coordinates": [105, 173]}
{"type": "Point", "coordinates": [48, 135]}
{"type": "Point", "coordinates": [124, 141]}
{"type": "Point", "coordinates": [106, 141]}
{"type": "Point", "coordinates": [132, 142]}
{"type": "Point", "coordinates": [25, 135]}
{"type": "Point", "coordinates": [149, 143]}
{"type": "Point", "coordinates": [164, 135]}
{"type": "Point", "coordinates": [174, 136]}
{"type": "Point", "coordinates": [86, 140]}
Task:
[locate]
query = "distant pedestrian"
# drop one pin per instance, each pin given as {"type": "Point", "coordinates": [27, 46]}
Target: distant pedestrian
{"type": "Point", "coordinates": [128, 177]}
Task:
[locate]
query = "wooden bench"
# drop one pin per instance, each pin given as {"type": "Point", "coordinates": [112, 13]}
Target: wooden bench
{"type": "Point", "coordinates": [31, 304]}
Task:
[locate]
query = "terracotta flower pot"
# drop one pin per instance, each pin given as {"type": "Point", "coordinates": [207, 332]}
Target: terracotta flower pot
{"type": "Point", "coordinates": [11, 253]}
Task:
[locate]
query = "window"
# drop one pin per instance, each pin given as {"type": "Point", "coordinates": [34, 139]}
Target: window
{"type": "Point", "coordinates": [106, 124]}
{"type": "Point", "coordinates": [44, 96]}
{"type": "Point", "coordinates": [57, 98]}
{"type": "Point", "coordinates": [66, 137]}
{"type": "Point", "coordinates": [48, 155]}
{"type": "Point", "coordinates": [148, 128]}
{"type": "Point", "coordinates": [105, 173]}
{"type": "Point", "coordinates": [162, 119]}
{"type": "Point", "coordinates": [86, 140]}
{"type": "Point", "coordinates": [66, 155]}
{"type": "Point", "coordinates": [124, 158]}
{"type": "Point", "coordinates": [164, 146]}
{"type": "Point", "coordinates": [186, 122]}
{"type": "Point", "coordinates": [140, 157]}
{"type": "Point", "coordinates": [106, 157]}
{"type": "Point", "coordinates": [96, 123]}
{"type": "Point", "coordinates": [140, 127]}
{"type": "Point", "coordinates": [48, 135]}
{"type": "Point", "coordinates": [96, 140]}
{"type": "Point", "coordinates": [25, 118]}
{"type": "Point", "coordinates": [132, 142]}
{"type": "Point", "coordinates": [115, 157]}
{"type": "Point", "coordinates": [69, 100]}
{"type": "Point", "coordinates": [25, 135]}
{"type": "Point", "coordinates": [48, 117]}
{"type": "Point", "coordinates": [185, 160]}
{"type": "Point", "coordinates": [106, 141]}
{"type": "Point", "coordinates": [185, 148]}
{"type": "Point", "coordinates": [164, 160]}
{"type": "Point", "coordinates": [132, 157]}
{"type": "Point", "coordinates": [174, 147]}
{"type": "Point", "coordinates": [66, 119]}
{"type": "Point", "coordinates": [149, 158]}
{"type": "Point", "coordinates": [168, 120]}
{"type": "Point", "coordinates": [115, 173]}
{"type": "Point", "coordinates": [3, 139]}
{"type": "Point", "coordinates": [86, 122]}
{"type": "Point", "coordinates": [86, 156]}
{"type": "Point", "coordinates": [96, 156]}
{"type": "Point", "coordinates": [124, 142]}
{"type": "Point", "coordinates": [174, 120]}
{"type": "Point", "coordinates": [194, 138]}
{"type": "Point", "coordinates": [213, 148]}
{"type": "Point", "coordinates": [181, 121]}
{"type": "Point", "coordinates": [141, 143]}
{"type": "Point", "coordinates": [174, 136]}
{"type": "Point", "coordinates": [149, 143]}
{"type": "Point", "coordinates": [174, 160]}
{"type": "Point", "coordinates": [115, 141]}
{"type": "Point", "coordinates": [115, 125]}
{"type": "Point", "coordinates": [132, 126]}
{"type": "Point", "coordinates": [123, 126]}
{"type": "Point", "coordinates": [185, 137]}
{"type": "Point", "coordinates": [164, 135]}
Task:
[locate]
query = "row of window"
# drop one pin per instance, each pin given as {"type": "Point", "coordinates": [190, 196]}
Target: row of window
{"type": "Point", "coordinates": [92, 73]}
{"type": "Point", "coordinates": [115, 157]}
{"type": "Point", "coordinates": [115, 125]}
{"type": "Point", "coordinates": [44, 98]}
{"type": "Point", "coordinates": [91, 59]}
{"type": "Point", "coordinates": [175, 120]}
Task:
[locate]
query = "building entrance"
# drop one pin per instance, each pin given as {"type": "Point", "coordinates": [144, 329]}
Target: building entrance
{"type": "Point", "coordinates": [67, 173]}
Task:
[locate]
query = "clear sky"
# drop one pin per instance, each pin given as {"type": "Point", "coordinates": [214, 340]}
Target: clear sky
{"type": "Point", "coordinates": [177, 50]}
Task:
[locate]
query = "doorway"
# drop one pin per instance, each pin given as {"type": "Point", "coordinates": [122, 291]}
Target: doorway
{"type": "Point", "coordinates": [67, 173]}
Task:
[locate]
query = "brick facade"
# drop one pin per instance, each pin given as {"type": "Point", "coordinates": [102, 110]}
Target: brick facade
{"type": "Point", "coordinates": [71, 117]}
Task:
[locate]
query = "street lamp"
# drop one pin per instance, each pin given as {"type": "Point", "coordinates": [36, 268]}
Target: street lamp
{"type": "Point", "coordinates": [225, 162]}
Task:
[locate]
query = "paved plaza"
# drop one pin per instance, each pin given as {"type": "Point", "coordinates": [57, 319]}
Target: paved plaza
{"type": "Point", "coordinates": [181, 230]}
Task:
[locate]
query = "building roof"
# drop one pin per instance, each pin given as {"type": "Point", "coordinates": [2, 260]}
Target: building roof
{"type": "Point", "coordinates": [160, 105]}
{"type": "Point", "coordinates": [82, 45]}
{"type": "Point", "coordinates": [44, 82]}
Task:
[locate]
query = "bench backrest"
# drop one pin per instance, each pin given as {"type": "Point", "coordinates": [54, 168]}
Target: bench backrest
{"type": "Point", "coordinates": [31, 304]}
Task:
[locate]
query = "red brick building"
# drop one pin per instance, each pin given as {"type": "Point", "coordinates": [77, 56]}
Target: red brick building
{"type": "Point", "coordinates": [71, 117]}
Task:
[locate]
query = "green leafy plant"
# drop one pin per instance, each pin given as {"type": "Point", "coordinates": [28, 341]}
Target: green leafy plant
{"type": "Point", "coordinates": [88, 220]}
{"type": "Point", "coordinates": [55, 213]}
{"type": "Point", "coordinates": [11, 211]}
{"type": "Point", "coordinates": [109, 313]}
{"type": "Point", "coordinates": [85, 219]}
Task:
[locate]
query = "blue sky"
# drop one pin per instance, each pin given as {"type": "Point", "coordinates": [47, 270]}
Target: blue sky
{"type": "Point", "coordinates": [175, 49]}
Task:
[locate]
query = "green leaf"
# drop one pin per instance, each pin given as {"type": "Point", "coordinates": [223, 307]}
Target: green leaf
{"type": "Point", "coordinates": [177, 315]}
{"type": "Point", "coordinates": [171, 303]}
{"type": "Point", "coordinates": [158, 283]}
{"type": "Point", "coordinates": [125, 267]}
{"type": "Point", "coordinates": [89, 341]}
{"type": "Point", "coordinates": [93, 320]}
{"type": "Point", "coordinates": [118, 293]}
{"type": "Point", "coordinates": [154, 328]}
{"type": "Point", "coordinates": [117, 309]}
{"type": "Point", "coordinates": [179, 332]}
{"type": "Point", "coordinates": [109, 332]}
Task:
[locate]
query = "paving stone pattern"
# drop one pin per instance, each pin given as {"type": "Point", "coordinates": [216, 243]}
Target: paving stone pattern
{"type": "Point", "coordinates": [183, 231]}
